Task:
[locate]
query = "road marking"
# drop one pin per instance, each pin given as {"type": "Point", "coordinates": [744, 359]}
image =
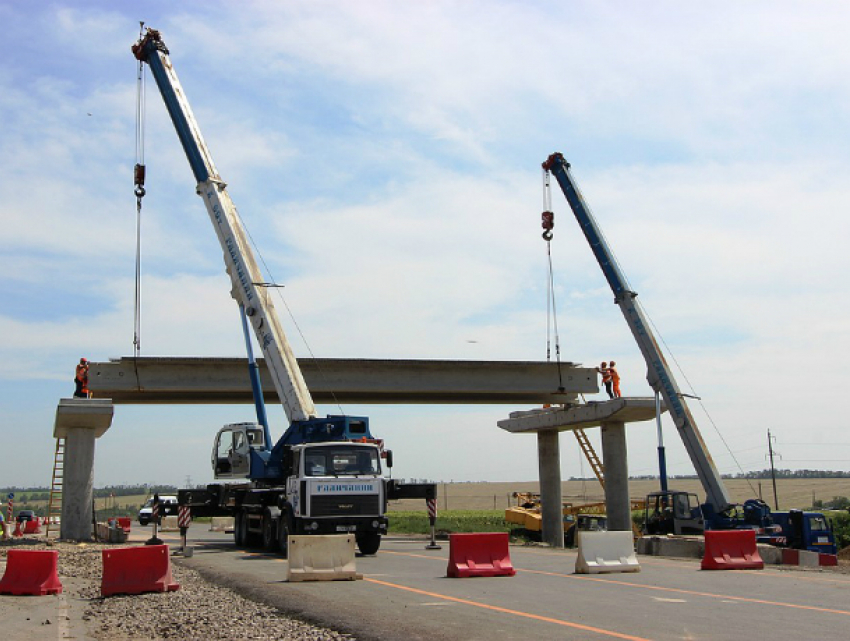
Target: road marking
{"type": "Point", "coordinates": [494, 608]}
{"type": "Point", "coordinates": [663, 600]}
{"type": "Point", "coordinates": [584, 577]}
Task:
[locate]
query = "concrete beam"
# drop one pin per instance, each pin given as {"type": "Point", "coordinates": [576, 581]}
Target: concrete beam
{"type": "Point", "coordinates": [592, 414]}
{"type": "Point", "coordinates": [225, 380]}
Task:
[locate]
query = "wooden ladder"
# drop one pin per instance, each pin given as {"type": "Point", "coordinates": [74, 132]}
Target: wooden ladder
{"type": "Point", "coordinates": [54, 506]}
{"type": "Point", "coordinates": [590, 455]}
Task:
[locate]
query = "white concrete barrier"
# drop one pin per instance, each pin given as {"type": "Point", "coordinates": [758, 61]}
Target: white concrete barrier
{"type": "Point", "coordinates": [602, 552]}
{"type": "Point", "coordinates": [221, 524]}
{"type": "Point", "coordinates": [169, 524]}
{"type": "Point", "coordinates": [322, 557]}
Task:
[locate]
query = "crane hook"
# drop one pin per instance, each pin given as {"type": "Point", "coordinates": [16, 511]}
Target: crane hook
{"type": "Point", "coordinates": [548, 225]}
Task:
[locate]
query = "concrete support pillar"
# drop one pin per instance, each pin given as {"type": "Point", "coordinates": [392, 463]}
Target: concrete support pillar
{"type": "Point", "coordinates": [615, 460]}
{"type": "Point", "coordinates": [80, 422]}
{"type": "Point", "coordinates": [549, 462]}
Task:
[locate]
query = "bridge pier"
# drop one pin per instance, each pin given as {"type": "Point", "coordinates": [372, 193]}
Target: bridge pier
{"type": "Point", "coordinates": [80, 422]}
{"type": "Point", "coordinates": [548, 423]}
{"type": "Point", "coordinates": [549, 466]}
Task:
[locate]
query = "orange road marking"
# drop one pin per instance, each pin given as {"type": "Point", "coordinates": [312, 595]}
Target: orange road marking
{"type": "Point", "coordinates": [495, 608]}
{"type": "Point", "coordinates": [584, 577]}
{"type": "Point", "coordinates": [581, 577]}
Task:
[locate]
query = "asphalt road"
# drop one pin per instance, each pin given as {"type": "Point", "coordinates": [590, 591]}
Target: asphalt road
{"type": "Point", "coordinates": [404, 595]}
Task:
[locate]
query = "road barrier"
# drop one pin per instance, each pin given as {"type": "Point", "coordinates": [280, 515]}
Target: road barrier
{"type": "Point", "coordinates": [321, 557]}
{"type": "Point", "coordinates": [221, 523]}
{"type": "Point", "coordinates": [32, 527]}
{"type": "Point", "coordinates": [479, 554]}
{"type": "Point", "coordinates": [125, 523]}
{"type": "Point", "coordinates": [807, 558]}
{"type": "Point", "coordinates": [731, 550]}
{"type": "Point", "coordinates": [604, 552]}
{"type": "Point", "coordinates": [136, 570]}
{"type": "Point", "coordinates": [31, 572]}
{"type": "Point", "coordinates": [169, 524]}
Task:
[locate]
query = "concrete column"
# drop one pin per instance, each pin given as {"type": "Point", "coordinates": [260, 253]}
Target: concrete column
{"type": "Point", "coordinates": [549, 462]}
{"type": "Point", "coordinates": [80, 422]}
{"type": "Point", "coordinates": [615, 460]}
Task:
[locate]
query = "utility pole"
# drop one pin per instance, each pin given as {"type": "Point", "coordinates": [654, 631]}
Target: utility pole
{"type": "Point", "coordinates": [772, 470]}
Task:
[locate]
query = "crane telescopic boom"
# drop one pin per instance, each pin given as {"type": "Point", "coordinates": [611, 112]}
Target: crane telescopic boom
{"type": "Point", "coordinates": [248, 289]}
{"type": "Point", "coordinates": [659, 375]}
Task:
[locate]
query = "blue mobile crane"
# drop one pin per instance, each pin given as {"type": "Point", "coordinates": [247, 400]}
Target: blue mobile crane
{"type": "Point", "coordinates": [674, 512]}
{"type": "Point", "coordinates": [324, 475]}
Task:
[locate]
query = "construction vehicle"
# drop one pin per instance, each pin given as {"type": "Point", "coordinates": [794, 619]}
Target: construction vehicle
{"type": "Point", "coordinates": [670, 512]}
{"type": "Point", "coordinates": [527, 513]}
{"type": "Point", "coordinates": [325, 475]}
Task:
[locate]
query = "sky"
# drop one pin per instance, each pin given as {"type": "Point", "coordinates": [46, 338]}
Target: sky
{"type": "Point", "coordinates": [386, 158]}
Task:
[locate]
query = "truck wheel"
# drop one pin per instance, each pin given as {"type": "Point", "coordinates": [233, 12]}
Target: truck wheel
{"type": "Point", "coordinates": [269, 538]}
{"type": "Point", "coordinates": [283, 530]}
{"type": "Point", "coordinates": [238, 532]}
{"type": "Point", "coordinates": [369, 543]}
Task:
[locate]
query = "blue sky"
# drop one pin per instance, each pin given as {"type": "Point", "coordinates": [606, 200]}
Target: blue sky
{"type": "Point", "coordinates": [386, 158]}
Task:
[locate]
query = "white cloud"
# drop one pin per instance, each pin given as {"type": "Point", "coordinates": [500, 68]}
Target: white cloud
{"type": "Point", "coordinates": [386, 158]}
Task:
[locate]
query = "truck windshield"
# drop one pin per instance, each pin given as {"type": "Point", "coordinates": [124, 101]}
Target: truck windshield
{"type": "Point", "coordinates": [818, 524]}
{"type": "Point", "coordinates": [343, 460]}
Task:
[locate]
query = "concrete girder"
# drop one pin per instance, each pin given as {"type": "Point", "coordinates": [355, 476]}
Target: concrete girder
{"type": "Point", "coordinates": [363, 381]}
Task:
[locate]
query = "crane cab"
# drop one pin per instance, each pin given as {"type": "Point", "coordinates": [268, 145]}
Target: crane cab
{"type": "Point", "coordinates": [231, 455]}
{"type": "Point", "coordinates": [673, 513]}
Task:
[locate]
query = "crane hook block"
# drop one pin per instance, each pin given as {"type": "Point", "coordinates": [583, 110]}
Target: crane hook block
{"type": "Point", "coordinates": [139, 180]}
{"type": "Point", "coordinates": [548, 224]}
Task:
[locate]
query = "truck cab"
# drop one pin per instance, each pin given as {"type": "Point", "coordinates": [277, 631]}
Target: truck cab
{"type": "Point", "coordinates": [338, 487]}
{"type": "Point", "coordinates": [806, 531]}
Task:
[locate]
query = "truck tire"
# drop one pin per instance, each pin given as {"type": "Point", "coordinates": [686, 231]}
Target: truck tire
{"type": "Point", "coordinates": [284, 528]}
{"type": "Point", "coordinates": [238, 531]}
{"type": "Point", "coordinates": [368, 543]}
{"type": "Point", "coordinates": [270, 541]}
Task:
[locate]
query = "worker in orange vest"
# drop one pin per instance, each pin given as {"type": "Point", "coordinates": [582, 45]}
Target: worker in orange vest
{"type": "Point", "coordinates": [615, 379]}
{"type": "Point", "coordinates": [81, 379]}
{"type": "Point", "coordinates": [606, 377]}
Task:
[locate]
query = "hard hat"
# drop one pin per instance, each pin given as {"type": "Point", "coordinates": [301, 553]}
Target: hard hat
{"type": "Point", "coordinates": [83, 360]}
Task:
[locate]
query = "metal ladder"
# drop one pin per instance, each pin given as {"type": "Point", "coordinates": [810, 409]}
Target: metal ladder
{"type": "Point", "coordinates": [54, 506]}
{"type": "Point", "coordinates": [590, 455]}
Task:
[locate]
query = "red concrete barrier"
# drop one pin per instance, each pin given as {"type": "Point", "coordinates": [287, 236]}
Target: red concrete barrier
{"type": "Point", "coordinates": [31, 572]}
{"type": "Point", "coordinates": [479, 554]}
{"type": "Point", "coordinates": [731, 550]}
{"type": "Point", "coordinates": [136, 570]}
{"type": "Point", "coordinates": [124, 522]}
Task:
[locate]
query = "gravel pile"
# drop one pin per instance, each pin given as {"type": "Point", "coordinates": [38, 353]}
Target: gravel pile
{"type": "Point", "coordinates": [198, 610]}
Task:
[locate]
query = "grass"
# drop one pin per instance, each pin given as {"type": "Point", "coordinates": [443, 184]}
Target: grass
{"type": "Point", "coordinates": [449, 521]}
